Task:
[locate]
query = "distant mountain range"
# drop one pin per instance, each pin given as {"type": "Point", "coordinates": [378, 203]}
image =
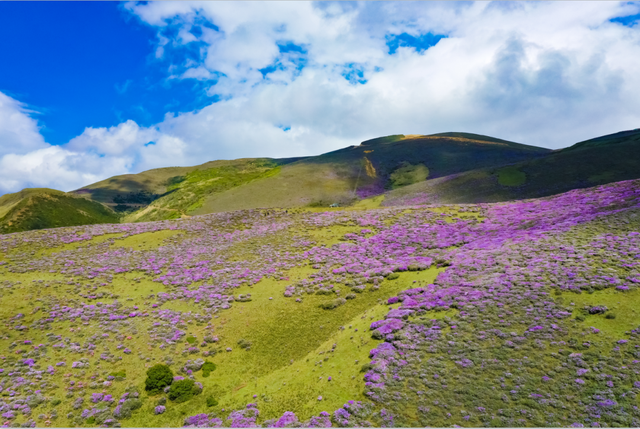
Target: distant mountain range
{"type": "Point", "coordinates": [399, 169]}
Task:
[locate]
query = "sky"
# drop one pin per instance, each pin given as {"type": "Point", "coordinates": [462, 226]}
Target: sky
{"type": "Point", "coordinates": [89, 90]}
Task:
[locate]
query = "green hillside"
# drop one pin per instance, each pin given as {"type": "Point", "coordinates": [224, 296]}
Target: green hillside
{"type": "Point", "coordinates": [342, 176]}
{"type": "Point", "coordinates": [346, 175]}
{"type": "Point", "coordinates": [40, 208]}
{"type": "Point", "coordinates": [606, 159]}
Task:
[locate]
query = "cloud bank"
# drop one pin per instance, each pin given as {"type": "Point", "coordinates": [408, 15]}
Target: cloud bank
{"type": "Point", "coordinates": [300, 78]}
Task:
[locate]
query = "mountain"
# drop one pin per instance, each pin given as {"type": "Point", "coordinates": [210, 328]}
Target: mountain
{"type": "Point", "coordinates": [606, 159]}
{"type": "Point", "coordinates": [439, 168]}
{"type": "Point", "coordinates": [341, 176]}
{"type": "Point", "coordinates": [38, 208]}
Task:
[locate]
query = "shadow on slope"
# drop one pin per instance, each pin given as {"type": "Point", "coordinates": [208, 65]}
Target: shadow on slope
{"type": "Point", "coordinates": [606, 159]}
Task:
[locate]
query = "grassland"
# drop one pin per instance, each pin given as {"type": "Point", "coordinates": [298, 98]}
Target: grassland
{"type": "Point", "coordinates": [443, 307]}
{"type": "Point", "coordinates": [47, 208]}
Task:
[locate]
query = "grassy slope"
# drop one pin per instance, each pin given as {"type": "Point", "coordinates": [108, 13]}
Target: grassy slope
{"type": "Point", "coordinates": [334, 176]}
{"type": "Point", "coordinates": [338, 176]}
{"type": "Point", "coordinates": [47, 208]}
{"type": "Point", "coordinates": [289, 362]}
{"type": "Point", "coordinates": [593, 162]}
{"type": "Point", "coordinates": [154, 181]}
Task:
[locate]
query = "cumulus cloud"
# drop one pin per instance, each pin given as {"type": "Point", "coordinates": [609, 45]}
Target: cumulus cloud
{"type": "Point", "coordinates": [19, 132]}
{"type": "Point", "coordinates": [548, 74]}
{"type": "Point", "coordinates": [302, 78]}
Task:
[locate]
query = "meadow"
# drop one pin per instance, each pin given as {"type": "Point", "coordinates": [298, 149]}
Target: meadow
{"type": "Point", "coordinates": [517, 314]}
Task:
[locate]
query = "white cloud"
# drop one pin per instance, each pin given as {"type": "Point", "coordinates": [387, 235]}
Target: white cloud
{"type": "Point", "coordinates": [19, 133]}
{"type": "Point", "coordinates": [548, 74]}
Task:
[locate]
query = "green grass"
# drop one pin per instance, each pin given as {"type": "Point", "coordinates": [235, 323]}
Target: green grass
{"type": "Point", "coordinates": [408, 174]}
{"type": "Point", "coordinates": [45, 208]}
{"type": "Point", "coordinates": [188, 194]}
{"type": "Point", "coordinates": [625, 305]}
{"type": "Point", "coordinates": [283, 331]}
{"type": "Point", "coordinates": [511, 176]}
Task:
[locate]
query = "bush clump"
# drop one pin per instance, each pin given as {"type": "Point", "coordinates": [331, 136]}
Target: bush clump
{"type": "Point", "coordinates": [330, 305]}
{"type": "Point", "coordinates": [393, 276]}
{"type": "Point", "coordinates": [208, 368]}
{"type": "Point", "coordinates": [158, 377]}
{"type": "Point", "coordinates": [610, 316]}
{"type": "Point", "coordinates": [192, 339]}
{"type": "Point", "coordinates": [211, 401]}
{"type": "Point", "coordinates": [183, 390]}
{"type": "Point", "coordinates": [125, 410]}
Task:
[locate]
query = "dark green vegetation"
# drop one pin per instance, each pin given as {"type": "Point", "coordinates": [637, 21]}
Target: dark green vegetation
{"type": "Point", "coordinates": [208, 368]}
{"type": "Point", "coordinates": [47, 208]}
{"type": "Point", "coordinates": [605, 159]}
{"type": "Point", "coordinates": [183, 390]}
{"type": "Point", "coordinates": [158, 377]}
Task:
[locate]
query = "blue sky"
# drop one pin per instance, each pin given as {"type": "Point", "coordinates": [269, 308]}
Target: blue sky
{"type": "Point", "coordinates": [87, 64]}
{"type": "Point", "coordinates": [93, 89]}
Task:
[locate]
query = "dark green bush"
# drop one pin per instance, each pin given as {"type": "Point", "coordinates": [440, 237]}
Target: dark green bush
{"type": "Point", "coordinates": [183, 390]}
{"type": "Point", "coordinates": [208, 368]}
{"type": "Point", "coordinates": [610, 316]}
{"type": "Point", "coordinates": [121, 373]}
{"type": "Point", "coordinates": [211, 401]}
{"type": "Point", "coordinates": [158, 377]}
{"type": "Point", "coordinates": [56, 402]}
{"type": "Point", "coordinates": [191, 339]}
{"type": "Point", "coordinates": [350, 296]}
{"type": "Point", "coordinates": [91, 420]}
{"type": "Point", "coordinates": [393, 276]}
{"type": "Point", "coordinates": [161, 401]}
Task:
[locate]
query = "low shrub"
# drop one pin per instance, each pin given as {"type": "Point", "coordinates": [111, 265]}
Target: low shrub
{"type": "Point", "coordinates": [56, 402]}
{"type": "Point", "coordinates": [158, 377]}
{"type": "Point", "coordinates": [393, 276]}
{"type": "Point", "coordinates": [376, 335]}
{"type": "Point", "coordinates": [192, 340]}
{"type": "Point", "coordinates": [211, 401]}
{"type": "Point", "coordinates": [183, 390]}
{"type": "Point", "coordinates": [330, 305]}
{"type": "Point", "coordinates": [610, 316]}
{"type": "Point", "coordinates": [121, 373]}
{"type": "Point", "coordinates": [208, 368]}
{"type": "Point", "coordinates": [350, 296]}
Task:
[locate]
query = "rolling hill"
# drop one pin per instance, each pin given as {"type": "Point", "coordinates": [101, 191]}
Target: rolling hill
{"type": "Point", "coordinates": [605, 159]}
{"type": "Point", "coordinates": [38, 208]}
{"type": "Point", "coordinates": [341, 176]}
{"type": "Point", "coordinates": [439, 168]}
